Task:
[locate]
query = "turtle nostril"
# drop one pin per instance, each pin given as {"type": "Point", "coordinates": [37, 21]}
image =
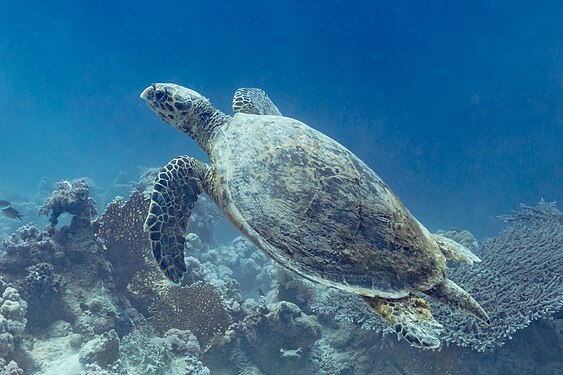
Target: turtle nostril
{"type": "Point", "coordinates": [160, 95]}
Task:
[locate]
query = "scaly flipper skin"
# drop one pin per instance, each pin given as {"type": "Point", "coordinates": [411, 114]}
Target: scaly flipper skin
{"type": "Point", "coordinates": [411, 318]}
{"type": "Point", "coordinates": [452, 294]}
{"type": "Point", "coordinates": [455, 251]}
{"type": "Point", "coordinates": [254, 102]}
{"type": "Point", "coordinates": [175, 192]}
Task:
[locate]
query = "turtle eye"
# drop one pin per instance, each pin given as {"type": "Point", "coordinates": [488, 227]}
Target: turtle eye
{"type": "Point", "coordinates": [160, 95]}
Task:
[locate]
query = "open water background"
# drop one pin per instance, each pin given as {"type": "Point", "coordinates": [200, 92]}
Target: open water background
{"type": "Point", "coordinates": [457, 105]}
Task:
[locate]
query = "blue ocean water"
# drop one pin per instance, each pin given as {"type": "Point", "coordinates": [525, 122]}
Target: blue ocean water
{"type": "Point", "coordinates": [458, 106]}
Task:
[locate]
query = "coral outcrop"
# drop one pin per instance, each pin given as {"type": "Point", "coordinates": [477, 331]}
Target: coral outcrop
{"type": "Point", "coordinates": [103, 349]}
{"type": "Point", "coordinates": [13, 310]}
{"type": "Point", "coordinates": [71, 197]}
{"type": "Point", "coordinates": [290, 345]}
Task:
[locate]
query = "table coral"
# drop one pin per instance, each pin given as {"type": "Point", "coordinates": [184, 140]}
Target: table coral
{"type": "Point", "coordinates": [520, 279]}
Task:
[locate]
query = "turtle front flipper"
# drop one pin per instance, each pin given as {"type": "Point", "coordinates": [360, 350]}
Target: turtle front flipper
{"type": "Point", "coordinates": [174, 194]}
{"type": "Point", "coordinates": [254, 102]}
{"type": "Point", "coordinates": [411, 318]}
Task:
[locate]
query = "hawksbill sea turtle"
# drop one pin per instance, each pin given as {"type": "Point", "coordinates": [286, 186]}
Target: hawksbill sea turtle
{"type": "Point", "coordinates": [307, 202]}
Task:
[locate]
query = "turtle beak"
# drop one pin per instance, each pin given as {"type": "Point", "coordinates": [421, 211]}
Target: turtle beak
{"type": "Point", "coordinates": [148, 93]}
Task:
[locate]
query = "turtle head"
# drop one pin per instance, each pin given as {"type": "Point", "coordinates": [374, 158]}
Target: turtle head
{"type": "Point", "coordinates": [185, 109]}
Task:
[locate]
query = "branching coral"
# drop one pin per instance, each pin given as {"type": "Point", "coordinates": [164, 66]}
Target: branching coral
{"type": "Point", "coordinates": [71, 197]}
{"type": "Point", "coordinates": [519, 280]}
{"type": "Point", "coordinates": [331, 304]}
{"type": "Point", "coordinates": [198, 307]}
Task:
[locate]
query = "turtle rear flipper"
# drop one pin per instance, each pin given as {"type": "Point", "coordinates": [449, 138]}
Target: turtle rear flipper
{"type": "Point", "coordinates": [453, 295]}
{"type": "Point", "coordinates": [174, 194]}
{"type": "Point", "coordinates": [254, 102]}
{"type": "Point", "coordinates": [455, 251]}
{"type": "Point", "coordinates": [411, 318]}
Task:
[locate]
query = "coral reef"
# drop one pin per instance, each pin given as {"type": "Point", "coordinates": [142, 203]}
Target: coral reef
{"type": "Point", "coordinates": [10, 368]}
{"type": "Point", "coordinates": [289, 346]}
{"type": "Point", "coordinates": [295, 289]}
{"type": "Point", "coordinates": [103, 349]}
{"type": "Point", "coordinates": [29, 212]}
{"type": "Point", "coordinates": [71, 197]}
{"type": "Point", "coordinates": [13, 320]}
{"type": "Point", "coordinates": [240, 257]}
{"type": "Point", "coordinates": [126, 244]}
{"type": "Point", "coordinates": [198, 308]}
{"type": "Point", "coordinates": [86, 298]}
{"type": "Point", "coordinates": [27, 246]}
{"type": "Point", "coordinates": [42, 288]}
{"type": "Point", "coordinates": [177, 353]}
{"type": "Point", "coordinates": [41, 282]}
{"type": "Point", "coordinates": [520, 279]}
{"type": "Point", "coordinates": [203, 218]}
